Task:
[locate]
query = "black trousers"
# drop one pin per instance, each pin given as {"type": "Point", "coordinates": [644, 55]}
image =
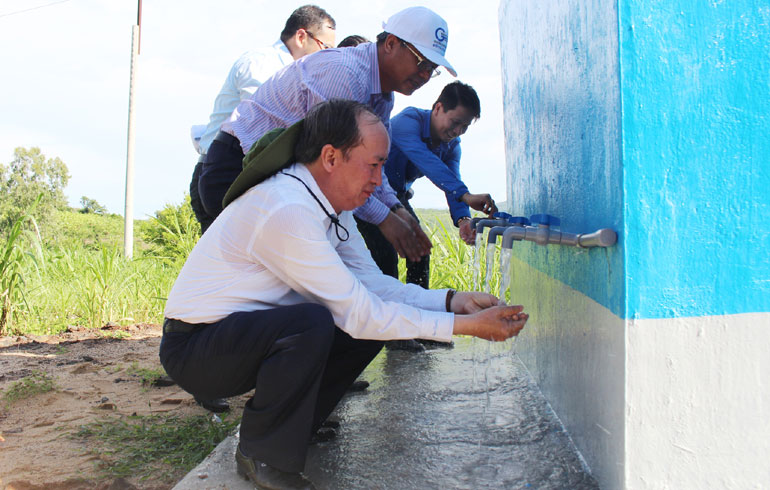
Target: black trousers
{"type": "Point", "coordinates": [386, 257]}
{"type": "Point", "coordinates": [223, 163]}
{"type": "Point", "coordinates": [294, 358]}
{"type": "Point", "coordinates": [195, 198]}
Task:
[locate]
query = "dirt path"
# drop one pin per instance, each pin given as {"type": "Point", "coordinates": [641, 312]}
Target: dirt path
{"type": "Point", "coordinates": [96, 375]}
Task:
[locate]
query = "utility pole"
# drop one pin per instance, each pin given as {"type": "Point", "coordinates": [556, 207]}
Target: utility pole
{"type": "Point", "coordinates": [128, 226]}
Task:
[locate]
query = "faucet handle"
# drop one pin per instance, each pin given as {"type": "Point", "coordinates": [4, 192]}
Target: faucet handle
{"type": "Point", "coordinates": [545, 219]}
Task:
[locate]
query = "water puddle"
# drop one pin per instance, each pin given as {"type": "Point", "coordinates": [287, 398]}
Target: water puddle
{"type": "Point", "coordinates": [468, 417]}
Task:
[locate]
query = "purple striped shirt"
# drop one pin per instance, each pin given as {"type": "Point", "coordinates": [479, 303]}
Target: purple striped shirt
{"type": "Point", "coordinates": [285, 98]}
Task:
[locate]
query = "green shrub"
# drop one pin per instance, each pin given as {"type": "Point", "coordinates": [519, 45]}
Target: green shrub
{"type": "Point", "coordinates": [172, 232]}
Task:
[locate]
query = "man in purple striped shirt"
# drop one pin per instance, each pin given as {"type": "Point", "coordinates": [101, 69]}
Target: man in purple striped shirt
{"type": "Point", "coordinates": [405, 56]}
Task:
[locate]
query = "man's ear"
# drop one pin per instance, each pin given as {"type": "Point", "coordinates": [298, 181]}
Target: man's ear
{"type": "Point", "coordinates": [330, 157]}
{"type": "Point", "coordinates": [299, 38]}
{"type": "Point", "coordinates": [390, 44]}
{"type": "Point", "coordinates": [437, 107]}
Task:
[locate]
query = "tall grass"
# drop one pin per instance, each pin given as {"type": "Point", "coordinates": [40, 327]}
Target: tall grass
{"type": "Point", "coordinates": [76, 277]}
{"type": "Point", "coordinates": [451, 260]}
{"type": "Point", "coordinates": [12, 273]}
{"type": "Point", "coordinates": [80, 278]}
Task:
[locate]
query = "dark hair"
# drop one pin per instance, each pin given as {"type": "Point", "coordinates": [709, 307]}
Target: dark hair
{"type": "Point", "coordinates": [458, 93]}
{"type": "Point", "coordinates": [332, 122]}
{"type": "Point", "coordinates": [306, 17]}
{"type": "Point", "coordinates": [352, 41]}
{"type": "Point", "coordinates": [381, 37]}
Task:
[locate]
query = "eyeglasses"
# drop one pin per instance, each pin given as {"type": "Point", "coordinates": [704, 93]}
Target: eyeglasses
{"type": "Point", "coordinates": [424, 64]}
{"type": "Point", "coordinates": [321, 44]}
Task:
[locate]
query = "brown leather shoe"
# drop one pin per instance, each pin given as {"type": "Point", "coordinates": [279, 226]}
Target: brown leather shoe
{"type": "Point", "coordinates": [264, 476]}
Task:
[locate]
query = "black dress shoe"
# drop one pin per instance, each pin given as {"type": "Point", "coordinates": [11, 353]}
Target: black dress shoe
{"type": "Point", "coordinates": [216, 405]}
{"type": "Point", "coordinates": [331, 423]}
{"type": "Point", "coordinates": [265, 476]}
{"type": "Point", "coordinates": [409, 345]}
{"type": "Point", "coordinates": [324, 434]}
{"type": "Point", "coordinates": [359, 385]}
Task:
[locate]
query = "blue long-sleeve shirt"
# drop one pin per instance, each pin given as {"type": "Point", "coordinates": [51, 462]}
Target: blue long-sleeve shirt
{"type": "Point", "coordinates": [412, 157]}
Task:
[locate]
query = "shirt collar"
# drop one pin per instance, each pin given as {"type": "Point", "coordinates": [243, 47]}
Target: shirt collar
{"type": "Point", "coordinates": [425, 127]}
{"type": "Point", "coordinates": [375, 81]}
{"type": "Point", "coordinates": [283, 52]}
{"type": "Point", "coordinates": [300, 170]}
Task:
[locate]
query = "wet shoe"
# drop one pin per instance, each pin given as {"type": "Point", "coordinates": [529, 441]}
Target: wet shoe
{"type": "Point", "coordinates": [409, 345]}
{"type": "Point", "coordinates": [265, 476]}
{"type": "Point", "coordinates": [324, 434]}
{"type": "Point", "coordinates": [216, 405]}
{"type": "Point", "coordinates": [359, 385]}
{"type": "Point", "coordinates": [436, 343]}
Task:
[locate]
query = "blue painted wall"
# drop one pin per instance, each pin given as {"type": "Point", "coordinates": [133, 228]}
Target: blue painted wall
{"type": "Point", "coordinates": [695, 80]}
{"type": "Point", "coordinates": [665, 141]}
{"type": "Point", "coordinates": [562, 127]}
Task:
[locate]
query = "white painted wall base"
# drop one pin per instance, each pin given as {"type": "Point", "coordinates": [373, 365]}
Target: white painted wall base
{"type": "Point", "coordinates": [698, 402]}
{"type": "Point", "coordinates": [651, 404]}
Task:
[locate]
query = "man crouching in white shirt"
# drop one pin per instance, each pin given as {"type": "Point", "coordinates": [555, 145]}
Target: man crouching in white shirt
{"type": "Point", "coordinates": [283, 298]}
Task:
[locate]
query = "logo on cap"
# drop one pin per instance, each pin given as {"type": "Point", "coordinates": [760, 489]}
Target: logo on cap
{"type": "Point", "coordinates": [440, 41]}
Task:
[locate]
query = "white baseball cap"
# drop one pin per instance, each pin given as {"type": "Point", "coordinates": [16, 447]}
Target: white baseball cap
{"type": "Point", "coordinates": [423, 28]}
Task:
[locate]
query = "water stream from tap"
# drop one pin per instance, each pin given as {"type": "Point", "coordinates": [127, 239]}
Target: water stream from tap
{"type": "Point", "coordinates": [490, 262]}
{"type": "Point", "coordinates": [477, 261]}
{"type": "Point", "coordinates": [505, 273]}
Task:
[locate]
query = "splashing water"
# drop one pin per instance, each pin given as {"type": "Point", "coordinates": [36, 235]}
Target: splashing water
{"type": "Point", "coordinates": [505, 273]}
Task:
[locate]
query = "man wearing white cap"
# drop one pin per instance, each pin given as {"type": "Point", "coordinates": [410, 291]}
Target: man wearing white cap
{"type": "Point", "coordinates": [402, 60]}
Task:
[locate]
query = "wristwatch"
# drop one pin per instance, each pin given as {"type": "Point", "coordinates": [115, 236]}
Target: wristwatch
{"type": "Point", "coordinates": [396, 207]}
{"type": "Point", "coordinates": [460, 220]}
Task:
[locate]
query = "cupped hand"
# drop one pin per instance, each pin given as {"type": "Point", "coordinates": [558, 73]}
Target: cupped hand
{"type": "Point", "coordinates": [496, 323]}
{"type": "Point", "coordinates": [466, 303]}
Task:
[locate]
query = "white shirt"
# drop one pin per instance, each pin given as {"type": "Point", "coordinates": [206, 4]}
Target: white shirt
{"type": "Point", "coordinates": [275, 246]}
{"type": "Point", "coordinates": [247, 74]}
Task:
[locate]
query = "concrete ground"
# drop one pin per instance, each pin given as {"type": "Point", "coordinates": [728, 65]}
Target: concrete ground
{"type": "Point", "coordinates": [468, 418]}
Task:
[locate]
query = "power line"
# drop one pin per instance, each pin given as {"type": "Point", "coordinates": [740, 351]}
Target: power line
{"type": "Point", "coordinates": [33, 8]}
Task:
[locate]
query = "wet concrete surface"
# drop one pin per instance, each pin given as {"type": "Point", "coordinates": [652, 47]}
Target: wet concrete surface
{"type": "Point", "coordinates": [467, 418]}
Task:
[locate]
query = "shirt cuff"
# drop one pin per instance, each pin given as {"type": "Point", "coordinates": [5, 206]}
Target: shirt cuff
{"type": "Point", "coordinates": [439, 326]}
{"type": "Point", "coordinates": [372, 211]}
{"type": "Point", "coordinates": [385, 193]}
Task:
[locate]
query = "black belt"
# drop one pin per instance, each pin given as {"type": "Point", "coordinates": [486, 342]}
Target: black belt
{"type": "Point", "coordinates": [228, 139]}
{"type": "Point", "coordinates": [170, 325]}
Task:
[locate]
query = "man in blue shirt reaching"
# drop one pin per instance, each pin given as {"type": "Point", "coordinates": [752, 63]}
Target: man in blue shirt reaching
{"type": "Point", "coordinates": [427, 143]}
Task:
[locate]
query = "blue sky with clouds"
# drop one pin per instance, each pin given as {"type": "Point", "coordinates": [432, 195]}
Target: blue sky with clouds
{"type": "Point", "coordinates": [65, 80]}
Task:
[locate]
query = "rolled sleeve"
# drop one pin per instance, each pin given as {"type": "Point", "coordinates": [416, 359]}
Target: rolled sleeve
{"type": "Point", "coordinates": [372, 211]}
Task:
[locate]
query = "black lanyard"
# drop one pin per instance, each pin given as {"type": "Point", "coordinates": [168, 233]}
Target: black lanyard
{"type": "Point", "coordinates": [335, 220]}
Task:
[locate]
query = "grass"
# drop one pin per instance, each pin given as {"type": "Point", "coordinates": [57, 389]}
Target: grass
{"type": "Point", "coordinates": [76, 274]}
{"type": "Point", "coordinates": [29, 386]}
{"type": "Point", "coordinates": [160, 446]}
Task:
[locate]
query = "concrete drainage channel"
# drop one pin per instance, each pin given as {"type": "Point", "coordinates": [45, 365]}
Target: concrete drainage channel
{"type": "Point", "coordinates": [465, 418]}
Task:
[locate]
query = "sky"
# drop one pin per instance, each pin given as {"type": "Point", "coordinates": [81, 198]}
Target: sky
{"type": "Point", "coordinates": [64, 86]}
